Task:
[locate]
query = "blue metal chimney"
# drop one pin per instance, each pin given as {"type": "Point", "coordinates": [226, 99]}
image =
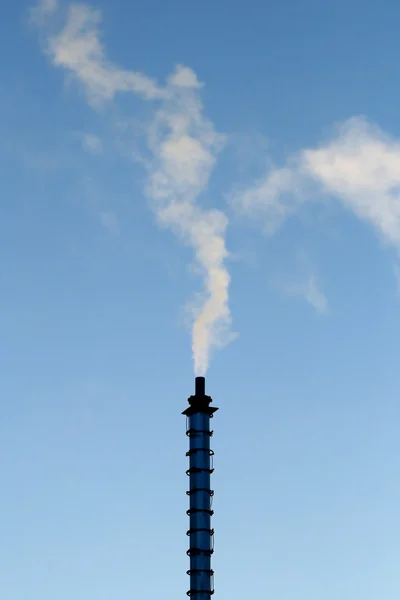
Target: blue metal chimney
{"type": "Point", "coordinates": [198, 416]}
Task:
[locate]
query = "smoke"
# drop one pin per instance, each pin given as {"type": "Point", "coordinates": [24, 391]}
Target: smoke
{"type": "Point", "coordinates": [183, 149]}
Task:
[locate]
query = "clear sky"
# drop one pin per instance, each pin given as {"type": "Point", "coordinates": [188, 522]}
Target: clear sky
{"type": "Point", "coordinates": [230, 164]}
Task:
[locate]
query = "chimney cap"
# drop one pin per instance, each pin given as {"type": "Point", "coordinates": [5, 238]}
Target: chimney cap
{"type": "Point", "coordinates": [200, 402]}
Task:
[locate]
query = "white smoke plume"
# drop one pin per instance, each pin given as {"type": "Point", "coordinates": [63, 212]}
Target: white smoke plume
{"type": "Point", "coordinates": [77, 48]}
{"type": "Point", "coordinates": [183, 148]}
{"type": "Point", "coordinates": [184, 145]}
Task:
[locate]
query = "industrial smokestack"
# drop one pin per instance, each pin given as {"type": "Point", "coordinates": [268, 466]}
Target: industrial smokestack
{"type": "Point", "coordinates": [201, 536]}
{"type": "Point", "coordinates": [200, 386]}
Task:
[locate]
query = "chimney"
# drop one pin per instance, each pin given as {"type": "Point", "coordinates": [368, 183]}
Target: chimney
{"type": "Point", "coordinates": [201, 535]}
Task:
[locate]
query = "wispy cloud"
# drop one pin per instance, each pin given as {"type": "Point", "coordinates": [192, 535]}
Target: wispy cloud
{"type": "Point", "coordinates": [92, 143]}
{"type": "Point", "coordinates": [359, 166]}
{"type": "Point", "coordinates": [396, 271]}
{"type": "Point", "coordinates": [110, 222]}
{"type": "Point", "coordinates": [308, 289]}
{"type": "Point", "coordinates": [183, 149]}
{"type": "Point", "coordinates": [42, 10]}
{"type": "Point", "coordinates": [273, 197]}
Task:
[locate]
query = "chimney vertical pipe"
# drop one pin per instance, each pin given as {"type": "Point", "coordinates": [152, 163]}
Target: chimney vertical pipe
{"type": "Point", "coordinates": [200, 533]}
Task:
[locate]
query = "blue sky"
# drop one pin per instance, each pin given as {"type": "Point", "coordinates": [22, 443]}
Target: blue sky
{"type": "Point", "coordinates": [127, 190]}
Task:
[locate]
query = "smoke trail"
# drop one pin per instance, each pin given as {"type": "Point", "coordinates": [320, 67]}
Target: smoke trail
{"type": "Point", "coordinates": [183, 147]}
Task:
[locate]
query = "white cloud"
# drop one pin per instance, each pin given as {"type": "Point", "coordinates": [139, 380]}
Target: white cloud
{"type": "Point", "coordinates": [42, 10]}
{"type": "Point", "coordinates": [271, 196]}
{"type": "Point", "coordinates": [110, 222]}
{"type": "Point", "coordinates": [359, 166]}
{"type": "Point", "coordinates": [47, 6]}
{"type": "Point", "coordinates": [309, 290]}
{"type": "Point", "coordinates": [92, 143]}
